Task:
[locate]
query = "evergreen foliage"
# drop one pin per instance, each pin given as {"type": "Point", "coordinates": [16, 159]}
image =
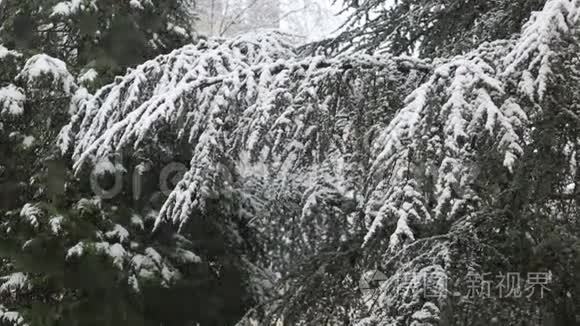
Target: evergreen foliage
{"type": "Point", "coordinates": [302, 175]}
{"type": "Point", "coordinates": [97, 36]}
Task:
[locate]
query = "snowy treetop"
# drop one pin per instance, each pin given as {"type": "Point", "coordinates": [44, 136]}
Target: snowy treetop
{"type": "Point", "coordinates": [71, 7]}
{"type": "Point", "coordinates": [42, 65]}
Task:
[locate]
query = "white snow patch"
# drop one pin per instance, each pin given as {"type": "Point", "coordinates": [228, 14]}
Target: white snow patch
{"type": "Point", "coordinates": [134, 283]}
{"type": "Point", "coordinates": [88, 77]}
{"type": "Point", "coordinates": [71, 7]}
{"type": "Point", "coordinates": [154, 255]}
{"type": "Point", "coordinates": [144, 266]}
{"type": "Point", "coordinates": [76, 251]}
{"type": "Point", "coordinates": [14, 282]}
{"type": "Point", "coordinates": [11, 100]}
{"type": "Point", "coordinates": [177, 29]}
{"type": "Point", "coordinates": [105, 166]}
{"type": "Point", "coordinates": [186, 256]}
{"type": "Point", "coordinates": [4, 52]}
{"type": "Point", "coordinates": [44, 65]}
{"type": "Point", "coordinates": [118, 233]}
{"type": "Point", "coordinates": [137, 221]}
{"type": "Point", "coordinates": [56, 224]}
{"type": "Point", "coordinates": [118, 253]}
{"type": "Point", "coordinates": [11, 317]}
{"type": "Point", "coordinates": [28, 141]}
{"type": "Point", "coordinates": [31, 214]}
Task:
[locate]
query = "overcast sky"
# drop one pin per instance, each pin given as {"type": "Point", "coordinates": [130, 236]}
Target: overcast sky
{"type": "Point", "coordinates": [312, 19]}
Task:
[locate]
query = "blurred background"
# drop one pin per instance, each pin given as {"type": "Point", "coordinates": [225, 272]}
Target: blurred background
{"type": "Point", "coordinates": [308, 19]}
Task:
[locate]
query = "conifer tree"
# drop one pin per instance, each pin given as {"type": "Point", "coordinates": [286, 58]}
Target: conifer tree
{"type": "Point", "coordinates": [304, 174]}
{"type": "Point", "coordinates": [97, 38]}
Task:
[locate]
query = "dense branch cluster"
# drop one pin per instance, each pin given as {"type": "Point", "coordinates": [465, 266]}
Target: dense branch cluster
{"type": "Point", "coordinates": [257, 116]}
{"type": "Point", "coordinates": [431, 28]}
{"type": "Point", "coordinates": [250, 96]}
{"type": "Point", "coordinates": [312, 171]}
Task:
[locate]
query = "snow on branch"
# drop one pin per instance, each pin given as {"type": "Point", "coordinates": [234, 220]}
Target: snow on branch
{"type": "Point", "coordinates": [432, 140]}
{"type": "Point", "coordinates": [67, 8]}
{"type": "Point", "coordinates": [13, 283]}
{"type": "Point", "coordinates": [427, 152]}
{"type": "Point", "coordinates": [11, 101]}
{"type": "Point", "coordinates": [11, 317]}
{"type": "Point", "coordinates": [255, 95]}
{"type": "Point", "coordinates": [529, 61]}
{"type": "Point", "coordinates": [4, 52]}
{"type": "Point", "coordinates": [252, 93]}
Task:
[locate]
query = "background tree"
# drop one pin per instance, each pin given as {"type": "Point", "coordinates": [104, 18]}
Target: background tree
{"type": "Point", "coordinates": [97, 38]}
{"type": "Point", "coordinates": [228, 17]}
{"type": "Point", "coordinates": [430, 28]}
